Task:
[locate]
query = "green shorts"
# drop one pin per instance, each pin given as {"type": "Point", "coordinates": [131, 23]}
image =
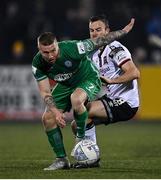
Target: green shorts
{"type": "Point", "coordinates": [61, 93]}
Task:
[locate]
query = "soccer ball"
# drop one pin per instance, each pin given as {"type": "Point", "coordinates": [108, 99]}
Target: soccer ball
{"type": "Point", "coordinates": [86, 152]}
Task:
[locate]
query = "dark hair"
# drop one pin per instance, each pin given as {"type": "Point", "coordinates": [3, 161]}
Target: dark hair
{"type": "Point", "coordinates": [46, 38]}
{"type": "Point", "coordinates": [101, 17]}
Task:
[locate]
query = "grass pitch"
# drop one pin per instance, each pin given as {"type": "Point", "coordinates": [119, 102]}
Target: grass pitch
{"type": "Point", "coordinates": [128, 150]}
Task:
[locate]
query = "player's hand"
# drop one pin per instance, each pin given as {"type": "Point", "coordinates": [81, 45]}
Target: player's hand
{"type": "Point", "coordinates": [59, 117]}
{"type": "Point", "coordinates": [128, 27]}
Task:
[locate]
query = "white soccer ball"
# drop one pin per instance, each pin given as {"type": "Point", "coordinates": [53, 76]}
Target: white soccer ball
{"type": "Point", "coordinates": [86, 152]}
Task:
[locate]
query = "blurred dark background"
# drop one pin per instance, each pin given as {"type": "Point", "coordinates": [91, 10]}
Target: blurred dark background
{"type": "Point", "coordinates": [22, 21]}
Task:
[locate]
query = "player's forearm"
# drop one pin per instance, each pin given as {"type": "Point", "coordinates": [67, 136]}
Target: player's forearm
{"type": "Point", "coordinates": [49, 101]}
{"type": "Point", "coordinates": [45, 92]}
{"type": "Point", "coordinates": [126, 77]}
{"type": "Point", "coordinates": [114, 35]}
{"type": "Point", "coordinates": [121, 79]}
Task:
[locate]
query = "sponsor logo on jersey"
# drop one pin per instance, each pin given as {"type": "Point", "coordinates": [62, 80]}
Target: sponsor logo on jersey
{"type": "Point", "coordinates": [63, 77]}
{"type": "Point", "coordinates": [68, 63]}
{"type": "Point", "coordinates": [104, 70]}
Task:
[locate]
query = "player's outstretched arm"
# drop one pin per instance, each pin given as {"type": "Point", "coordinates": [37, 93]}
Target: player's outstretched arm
{"type": "Point", "coordinates": [114, 35]}
{"type": "Point", "coordinates": [129, 27]}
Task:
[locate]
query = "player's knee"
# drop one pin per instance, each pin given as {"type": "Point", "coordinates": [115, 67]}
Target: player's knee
{"type": "Point", "coordinates": [44, 117]}
{"type": "Point", "coordinates": [90, 114]}
{"type": "Point", "coordinates": [48, 120]}
{"type": "Point", "coordinates": [76, 102]}
{"type": "Point", "coordinates": [91, 111]}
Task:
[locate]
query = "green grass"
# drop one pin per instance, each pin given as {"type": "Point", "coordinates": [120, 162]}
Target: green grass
{"type": "Point", "coordinates": [128, 150]}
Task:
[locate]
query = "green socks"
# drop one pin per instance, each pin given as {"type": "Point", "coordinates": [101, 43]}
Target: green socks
{"type": "Point", "coordinates": [81, 123]}
{"type": "Point", "coordinates": [56, 141]}
{"type": "Point", "coordinates": [55, 136]}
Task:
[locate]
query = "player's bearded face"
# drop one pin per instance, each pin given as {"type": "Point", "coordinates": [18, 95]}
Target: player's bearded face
{"type": "Point", "coordinates": [98, 29]}
{"type": "Point", "coordinates": [49, 52]}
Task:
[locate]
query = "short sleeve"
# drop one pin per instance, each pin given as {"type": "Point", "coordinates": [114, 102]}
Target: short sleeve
{"type": "Point", "coordinates": [120, 54]}
{"type": "Point", "coordinates": [38, 74]}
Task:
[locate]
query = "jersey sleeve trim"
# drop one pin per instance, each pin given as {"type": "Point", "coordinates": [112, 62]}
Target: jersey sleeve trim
{"type": "Point", "coordinates": [124, 61]}
{"type": "Point", "coordinates": [42, 78]}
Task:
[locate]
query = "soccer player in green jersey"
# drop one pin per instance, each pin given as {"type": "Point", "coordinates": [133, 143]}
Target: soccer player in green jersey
{"type": "Point", "coordinates": [77, 80]}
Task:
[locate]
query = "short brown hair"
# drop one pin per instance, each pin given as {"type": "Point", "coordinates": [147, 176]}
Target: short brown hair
{"type": "Point", "coordinates": [102, 18]}
{"type": "Point", "coordinates": [46, 38]}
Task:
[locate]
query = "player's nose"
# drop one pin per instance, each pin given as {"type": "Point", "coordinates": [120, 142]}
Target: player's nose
{"type": "Point", "coordinates": [51, 55]}
{"type": "Point", "coordinates": [95, 35]}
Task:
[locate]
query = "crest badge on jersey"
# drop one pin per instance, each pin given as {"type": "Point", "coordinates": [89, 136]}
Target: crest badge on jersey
{"type": "Point", "coordinates": [68, 63]}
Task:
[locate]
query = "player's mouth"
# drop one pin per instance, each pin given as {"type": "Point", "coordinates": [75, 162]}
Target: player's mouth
{"type": "Point", "coordinates": [52, 60]}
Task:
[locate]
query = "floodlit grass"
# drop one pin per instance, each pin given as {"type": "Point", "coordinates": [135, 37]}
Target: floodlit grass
{"type": "Point", "coordinates": [128, 150]}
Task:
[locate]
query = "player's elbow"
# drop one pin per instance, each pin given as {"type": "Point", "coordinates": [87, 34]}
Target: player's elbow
{"type": "Point", "coordinates": [136, 74]}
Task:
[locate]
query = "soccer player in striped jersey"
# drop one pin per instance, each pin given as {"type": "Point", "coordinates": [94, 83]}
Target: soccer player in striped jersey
{"type": "Point", "coordinates": [119, 98]}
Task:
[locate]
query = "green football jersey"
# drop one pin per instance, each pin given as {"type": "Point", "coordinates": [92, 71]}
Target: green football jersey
{"type": "Point", "coordinates": [72, 66]}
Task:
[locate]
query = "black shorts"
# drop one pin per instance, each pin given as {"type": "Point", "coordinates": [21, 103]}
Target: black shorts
{"type": "Point", "coordinates": [117, 110]}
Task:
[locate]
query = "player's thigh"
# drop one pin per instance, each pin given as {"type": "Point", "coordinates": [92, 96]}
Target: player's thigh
{"type": "Point", "coordinates": [61, 95]}
{"type": "Point", "coordinates": [117, 109]}
{"type": "Point", "coordinates": [97, 109]}
{"type": "Point", "coordinates": [91, 87]}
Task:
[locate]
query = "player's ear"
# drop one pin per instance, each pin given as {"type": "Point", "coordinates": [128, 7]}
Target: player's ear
{"type": "Point", "coordinates": [107, 29]}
